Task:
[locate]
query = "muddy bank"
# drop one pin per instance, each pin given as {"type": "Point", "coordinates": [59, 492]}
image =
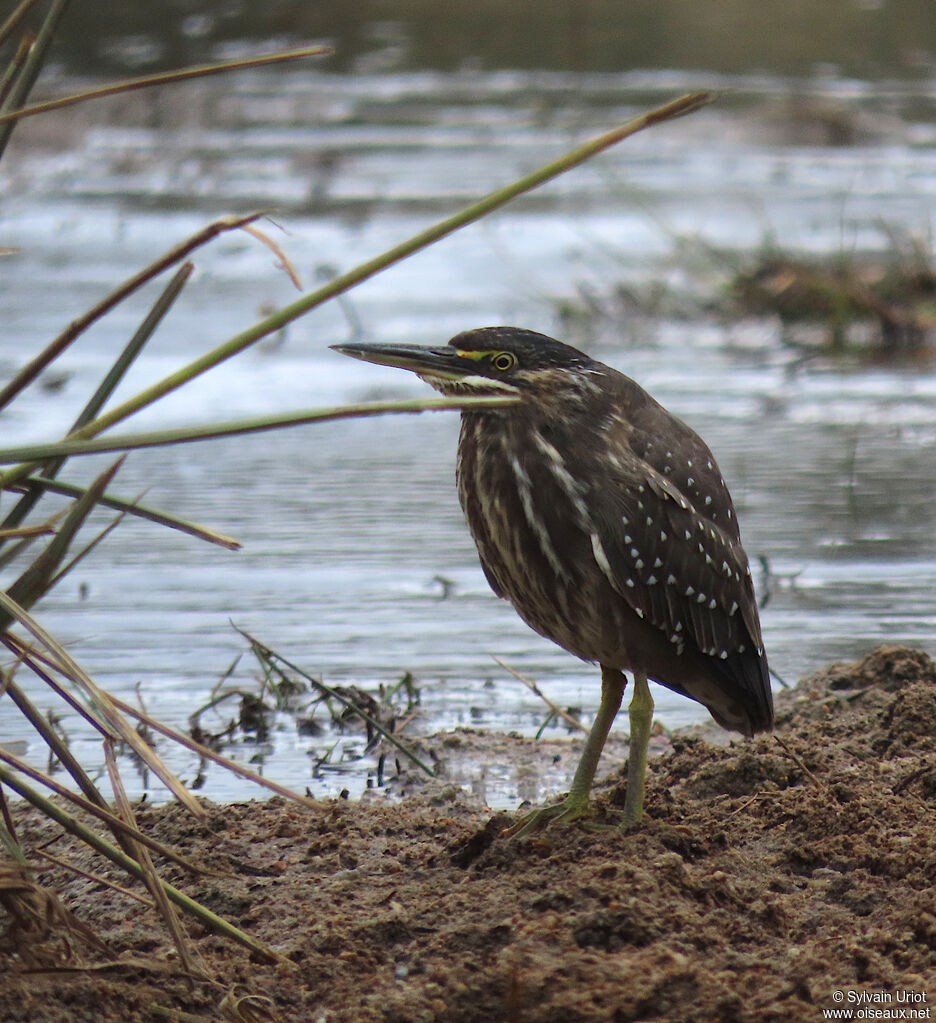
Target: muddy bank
{"type": "Point", "coordinates": [769, 875]}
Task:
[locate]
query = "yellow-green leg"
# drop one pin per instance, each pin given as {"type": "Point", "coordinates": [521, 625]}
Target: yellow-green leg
{"type": "Point", "coordinates": [640, 713]}
{"type": "Point", "coordinates": [575, 806]}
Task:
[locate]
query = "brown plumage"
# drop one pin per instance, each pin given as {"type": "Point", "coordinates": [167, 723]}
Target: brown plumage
{"type": "Point", "coordinates": [628, 564]}
{"type": "Point", "coordinates": [602, 518]}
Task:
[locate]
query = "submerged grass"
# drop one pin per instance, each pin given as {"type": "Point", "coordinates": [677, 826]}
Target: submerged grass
{"type": "Point", "coordinates": [32, 477]}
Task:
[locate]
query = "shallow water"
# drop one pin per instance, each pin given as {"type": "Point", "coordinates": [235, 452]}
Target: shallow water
{"type": "Point", "coordinates": [347, 527]}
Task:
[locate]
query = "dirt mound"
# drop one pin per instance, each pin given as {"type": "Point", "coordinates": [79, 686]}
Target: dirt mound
{"type": "Point", "coordinates": [774, 879]}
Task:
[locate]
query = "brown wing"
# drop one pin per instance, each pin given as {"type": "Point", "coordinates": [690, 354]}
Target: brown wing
{"type": "Point", "coordinates": [668, 530]}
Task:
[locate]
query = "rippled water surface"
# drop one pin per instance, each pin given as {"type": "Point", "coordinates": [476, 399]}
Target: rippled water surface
{"type": "Point", "coordinates": [348, 527]}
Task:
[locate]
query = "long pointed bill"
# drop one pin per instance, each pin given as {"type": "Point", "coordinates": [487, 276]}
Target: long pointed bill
{"type": "Point", "coordinates": [447, 369]}
{"type": "Point", "coordinates": [436, 362]}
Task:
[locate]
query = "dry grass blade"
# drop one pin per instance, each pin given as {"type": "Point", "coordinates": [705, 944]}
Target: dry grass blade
{"type": "Point", "coordinates": [13, 19]}
{"type": "Point", "coordinates": [12, 552]}
{"type": "Point", "coordinates": [85, 551]}
{"type": "Point", "coordinates": [107, 386]}
{"type": "Point", "coordinates": [211, 920]}
{"type": "Point", "coordinates": [94, 878]}
{"type": "Point", "coordinates": [131, 508]}
{"type": "Point", "coordinates": [29, 72]}
{"type": "Point", "coordinates": [285, 263]}
{"type": "Point", "coordinates": [26, 532]}
{"type": "Point", "coordinates": [102, 701]}
{"type": "Point", "coordinates": [116, 824]}
{"type": "Point", "coordinates": [8, 834]}
{"type": "Point", "coordinates": [38, 721]}
{"type": "Point", "coordinates": [37, 914]}
{"type": "Point", "coordinates": [242, 1007]}
{"type": "Point", "coordinates": [187, 956]}
{"type": "Point", "coordinates": [32, 369]}
{"type": "Point", "coordinates": [165, 78]}
{"type": "Point", "coordinates": [15, 67]}
{"type": "Point", "coordinates": [37, 578]}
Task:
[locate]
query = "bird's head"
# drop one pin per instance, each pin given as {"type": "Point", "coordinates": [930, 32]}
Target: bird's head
{"type": "Point", "coordinates": [487, 361]}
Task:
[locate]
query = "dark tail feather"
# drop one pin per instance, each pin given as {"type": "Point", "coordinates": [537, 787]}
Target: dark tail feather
{"type": "Point", "coordinates": [746, 683]}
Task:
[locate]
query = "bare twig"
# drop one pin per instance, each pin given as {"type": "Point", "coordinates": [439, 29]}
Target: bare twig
{"type": "Point", "coordinates": [570, 719]}
{"type": "Point", "coordinates": [798, 761]}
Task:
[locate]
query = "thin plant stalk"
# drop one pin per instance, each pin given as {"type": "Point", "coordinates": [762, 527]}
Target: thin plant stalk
{"type": "Point", "coordinates": [85, 551]}
{"type": "Point", "coordinates": [56, 746]}
{"type": "Point", "coordinates": [25, 536]}
{"type": "Point", "coordinates": [209, 754]}
{"type": "Point", "coordinates": [107, 386]}
{"type": "Point", "coordinates": [151, 878]}
{"type": "Point", "coordinates": [184, 435]}
{"type": "Point", "coordinates": [115, 823]}
{"type": "Point", "coordinates": [134, 346]}
{"type": "Point", "coordinates": [14, 67]}
{"type": "Point", "coordinates": [130, 508]}
{"type": "Point", "coordinates": [12, 21]}
{"type": "Point", "coordinates": [164, 78]}
{"type": "Point", "coordinates": [29, 72]}
{"type": "Point", "coordinates": [102, 701]}
{"type": "Point", "coordinates": [30, 658]}
{"type": "Point", "coordinates": [101, 845]}
{"type": "Point", "coordinates": [26, 532]}
{"type": "Point", "coordinates": [35, 581]}
{"type": "Point", "coordinates": [554, 708]}
{"type": "Point", "coordinates": [28, 373]}
{"type": "Point", "coordinates": [93, 878]}
{"type": "Point", "coordinates": [343, 282]}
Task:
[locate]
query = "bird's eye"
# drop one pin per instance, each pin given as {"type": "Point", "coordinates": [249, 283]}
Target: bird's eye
{"type": "Point", "coordinates": [504, 361]}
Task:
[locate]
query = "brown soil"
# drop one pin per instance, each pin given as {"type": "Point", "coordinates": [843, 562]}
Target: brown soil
{"type": "Point", "coordinates": [768, 876]}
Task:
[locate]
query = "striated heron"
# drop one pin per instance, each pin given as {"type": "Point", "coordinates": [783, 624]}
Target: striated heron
{"type": "Point", "coordinates": [606, 523]}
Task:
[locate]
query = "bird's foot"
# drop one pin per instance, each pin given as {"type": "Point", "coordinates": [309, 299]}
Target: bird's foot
{"type": "Point", "coordinates": [569, 811]}
{"type": "Point", "coordinates": [630, 821]}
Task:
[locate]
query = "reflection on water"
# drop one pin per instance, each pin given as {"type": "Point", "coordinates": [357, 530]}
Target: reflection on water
{"type": "Point", "coordinates": [859, 40]}
{"type": "Point", "coordinates": [348, 527]}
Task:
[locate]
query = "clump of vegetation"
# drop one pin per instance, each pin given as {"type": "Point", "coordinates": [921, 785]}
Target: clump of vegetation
{"type": "Point", "coordinates": [872, 304]}
{"type": "Point", "coordinates": [314, 708]}
{"type": "Point", "coordinates": [889, 299]}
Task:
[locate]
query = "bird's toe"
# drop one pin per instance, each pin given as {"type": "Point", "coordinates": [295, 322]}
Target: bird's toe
{"type": "Point", "coordinates": [569, 811]}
